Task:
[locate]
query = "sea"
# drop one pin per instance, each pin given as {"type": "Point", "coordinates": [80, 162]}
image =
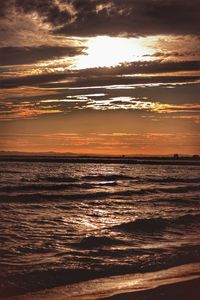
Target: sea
{"type": "Point", "coordinates": [68, 223]}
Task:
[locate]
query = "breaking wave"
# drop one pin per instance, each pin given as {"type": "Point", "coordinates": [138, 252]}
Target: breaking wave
{"type": "Point", "coordinates": [156, 224]}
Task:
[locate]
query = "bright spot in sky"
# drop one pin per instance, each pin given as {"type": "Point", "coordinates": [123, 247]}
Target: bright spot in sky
{"type": "Point", "coordinates": [105, 51]}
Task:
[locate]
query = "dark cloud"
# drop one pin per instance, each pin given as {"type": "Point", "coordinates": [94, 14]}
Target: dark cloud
{"type": "Point", "coordinates": [145, 67]}
{"type": "Point", "coordinates": [111, 80]}
{"type": "Point", "coordinates": [5, 6]}
{"type": "Point", "coordinates": [29, 55]}
{"type": "Point", "coordinates": [76, 80]}
{"type": "Point", "coordinates": [168, 93]}
{"type": "Point", "coordinates": [94, 76]}
{"type": "Point", "coordinates": [162, 67]}
{"type": "Point", "coordinates": [134, 17]}
{"type": "Point", "coordinates": [112, 17]}
{"type": "Point", "coordinates": [31, 80]}
{"type": "Point", "coordinates": [46, 9]}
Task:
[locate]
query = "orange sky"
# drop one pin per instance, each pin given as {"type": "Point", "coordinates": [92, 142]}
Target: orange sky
{"type": "Point", "coordinates": [77, 76]}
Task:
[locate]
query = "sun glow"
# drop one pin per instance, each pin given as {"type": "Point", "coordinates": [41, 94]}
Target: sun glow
{"type": "Point", "coordinates": [105, 51]}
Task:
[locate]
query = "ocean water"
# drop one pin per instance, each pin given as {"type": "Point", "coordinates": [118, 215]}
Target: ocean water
{"type": "Point", "coordinates": [65, 223]}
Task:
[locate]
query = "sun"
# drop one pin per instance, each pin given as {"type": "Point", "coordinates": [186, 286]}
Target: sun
{"type": "Point", "coordinates": [105, 51]}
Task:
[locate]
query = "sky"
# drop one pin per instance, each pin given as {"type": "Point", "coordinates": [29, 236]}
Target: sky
{"type": "Point", "coordinates": [100, 76]}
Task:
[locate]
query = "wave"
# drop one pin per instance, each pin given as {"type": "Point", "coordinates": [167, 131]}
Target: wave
{"type": "Point", "coordinates": [148, 225]}
{"type": "Point", "coordinates": [157, 224]}
{"type": "Point", "coordinates": [35, 280]}
{"type": "Point", "coordinates": [99, 194]}
{"type": "Point", "coordinates": [37, 197]}
{"type": "Point", "coordinates": [173, 180]}
{"type": "Point", "coordinates": [90, 278]}
{"type": "Point", "coordinates": [180, 189]}
{"type": "Point", "coordinates": [43, 187]}
{"type": "Point", "coordinates": [64, 178]}
{"type": "Point", "coordinates": [57, 179]}
{"type": "Point", "coordinates": [112, 177]}
{"type": "Point", "coordinates": [95, 242]}
{"type": "Point", "coordinates": [188, 219]}
{"type": "Point", "coordinates": [57, 187]}
{"type": "Point", "coordinates": [177, 189]}
{"type": "Point", "coordinates": [3, 171]}
{"type": "Point", "coordinates": [181, 201]}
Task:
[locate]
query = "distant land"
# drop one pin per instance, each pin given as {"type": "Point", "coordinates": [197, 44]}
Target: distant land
{"type": "Point", "coordinates": [49, 153]}
{"type": "Point", "coordinates": [52, 153]}
{"type": "Point", "coordinates": [174, 159]}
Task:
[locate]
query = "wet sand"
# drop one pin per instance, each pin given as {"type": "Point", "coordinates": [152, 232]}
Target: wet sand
{"type": "Point", "coordinates": [187, 290]}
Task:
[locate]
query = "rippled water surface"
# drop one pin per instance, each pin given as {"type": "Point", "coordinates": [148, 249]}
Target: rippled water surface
{"type": "Point", "coordinates": [65, 223]}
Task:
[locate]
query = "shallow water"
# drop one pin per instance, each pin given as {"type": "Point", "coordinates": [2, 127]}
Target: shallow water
{"type": "Point", "coordinates": [66, 223]}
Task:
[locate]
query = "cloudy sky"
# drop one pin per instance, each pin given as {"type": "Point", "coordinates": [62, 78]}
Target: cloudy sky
{"type": "Point", "coordinates": [100, 76]}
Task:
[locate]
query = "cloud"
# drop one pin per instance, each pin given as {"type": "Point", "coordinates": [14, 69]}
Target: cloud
{"type": "Point", "coordinates": [30, 107]}
{"type": "Point", "coordinates": [133, 17]}
{"type": "Point", "coordinates": [49, 10]}
{"type": "Point", "coordinates": [76, 79]}
{"type": "Point", "coordinates": [41, 41]}
{"type": "Point", "coordinates": [145, 67]}
{"type": "Point", "coordinates": [30, 23]}
{"type": "Point", "coordinates": [34, 80]}
{"type": "Point", "coordinates": [114, 80]}
{"type": "Point", "coordinates": [5, 6]}
{"type": "Point", "coordinates": [29, 55]}
{"type": "Point", "coordinates": [25, 110]}
{"type": "Point", "coordinates": [114, 17]}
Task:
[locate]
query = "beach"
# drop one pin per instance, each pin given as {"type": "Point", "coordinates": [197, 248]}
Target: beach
{"type": "Point", "coordinates": [99, 150]}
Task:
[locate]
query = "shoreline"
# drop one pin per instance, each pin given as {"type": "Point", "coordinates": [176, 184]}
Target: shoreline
{"type": "Point", "coordinates": [104, 160]}
{"type": "Point", "coordinates": [184, 290]}
{"type": "Point", "coordinates": [176, 283]}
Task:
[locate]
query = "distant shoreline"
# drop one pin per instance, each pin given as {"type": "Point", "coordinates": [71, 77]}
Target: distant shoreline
{"type": "Point", "coordinates": [147, 160]}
